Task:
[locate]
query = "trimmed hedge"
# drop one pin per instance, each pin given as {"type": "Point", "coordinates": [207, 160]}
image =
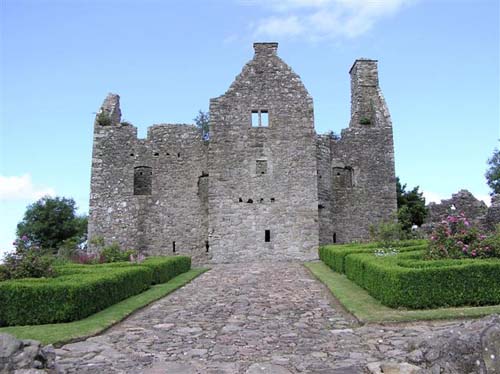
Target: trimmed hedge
{"type": "Point", "coordinates": [407, 281]}
{"type": "Point", "coordinates": [166, 268]}
{"type": "Point", "coordinates": [81, 290]}
{"type": "Point", "coordinates": [69, 297]}
{"type": "Point", "coordinates": [334, 255]}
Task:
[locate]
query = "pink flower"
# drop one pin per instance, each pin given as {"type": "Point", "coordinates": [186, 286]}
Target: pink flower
{"type": "Point", "coordinates": [473, 253]}
{"type": "Point", "coordinates": [24, 238]}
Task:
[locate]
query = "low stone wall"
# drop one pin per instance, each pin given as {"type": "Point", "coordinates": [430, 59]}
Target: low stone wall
{"type": "Point", "coordinates": [475, 210]}
{"type": "Point", "coordinates": [25, 356]}
{"type": "Point", "coordinates": [471, 347]}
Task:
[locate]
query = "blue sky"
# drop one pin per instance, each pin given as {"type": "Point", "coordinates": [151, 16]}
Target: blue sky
{"type": "Point", "coordinates": [438, 63]}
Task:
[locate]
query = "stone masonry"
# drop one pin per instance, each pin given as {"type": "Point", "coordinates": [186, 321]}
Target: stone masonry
{"type": "Point", "coordinates": [263, 185]}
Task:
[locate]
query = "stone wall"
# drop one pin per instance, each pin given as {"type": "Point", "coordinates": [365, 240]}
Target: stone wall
{"type": "Point", "coordinates": [264, 186]}
{"type": "Point", "coordinates": [244, 202]}
{"type": "Point", "coordinates": [486, 218]}
{"type": "Point", "coordinates": [357, 182]}
{"type": "Point", "coordinates": [149, 193]}
{"type": "Point", "coordinates": [462, 201]}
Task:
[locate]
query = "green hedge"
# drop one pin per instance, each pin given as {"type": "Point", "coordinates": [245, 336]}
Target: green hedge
{"type": "Point", "coordinates": [69, 297]}
{"type": "Point", "coordinates": [166, 268]}
{"type": "Point", "coordinates": [406, 281]}
{"type": "Point", "coordinates": [81, 290]}
{"type": "Point", "coordinates": [334, 255]}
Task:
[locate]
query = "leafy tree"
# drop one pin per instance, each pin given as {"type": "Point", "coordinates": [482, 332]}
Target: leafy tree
{"type": "Point", "coordinates": [411, 206]}
{"type": "Point", "coordinates": [50, 221]}
{"type": "Point", "coordinates": [493, 173]}
{"type": "Point", "coordinates": [202, 120]}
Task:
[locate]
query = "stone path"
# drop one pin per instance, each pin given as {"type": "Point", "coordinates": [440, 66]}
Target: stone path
{"type": "Point", "coordinates": [251, 318]}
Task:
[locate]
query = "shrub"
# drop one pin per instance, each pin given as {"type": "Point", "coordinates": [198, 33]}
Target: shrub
{"type": "Point", "coordinates": [455, 237]}
{"type": "Point", "coordinates": [387, 233]}
{"type": "Point", "coordinates": [334, 255]}
{"type": "Point", "coordinates": [166, 268]}
{"type": "Point", "coordinates": [365, 121]}
{"type": "Point", "coordinates": [85, 258]}
{"type": "Point", "coordinates": [27, 261]}
{"type": "Point", "coordinates": [113, 253]}
{"type": "Point", "coordinates": [77, 293]}
{"type": "Point", "coordinates": [408, 281]}
{"type": "Point", "coordinates": [103, 119]}
{"type": "Point", "coordinates": [3, 273]}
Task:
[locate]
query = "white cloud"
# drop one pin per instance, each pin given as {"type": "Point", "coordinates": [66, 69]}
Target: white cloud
{"type": "Point", "coordinates": [22, 188]}
{"type": "Point", "coordinates": [279, 26]}
{"type": "Point", "coordinates": [324, 19]}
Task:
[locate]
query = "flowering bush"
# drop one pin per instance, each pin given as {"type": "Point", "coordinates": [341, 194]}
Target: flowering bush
{"type": "Point", "coordinates": [86, 258]}
{"type": "Point", "coordinates": [137, 258]}
{"type": "Point", "coordinates": [455, 237]}
{"type": "Point", "coordinates": [27, 261]}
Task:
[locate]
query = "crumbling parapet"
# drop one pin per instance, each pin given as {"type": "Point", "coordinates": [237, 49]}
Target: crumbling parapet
{"type": "Point", "coordinates": [368, 106]}
{"type": "Point", "coordinates": [492, 217]}
{"type": "Point", "coordinates": [109, 114]}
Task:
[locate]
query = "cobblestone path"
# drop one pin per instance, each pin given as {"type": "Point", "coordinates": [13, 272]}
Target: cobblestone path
{"type": "Point", "coordinates": [240, 318]}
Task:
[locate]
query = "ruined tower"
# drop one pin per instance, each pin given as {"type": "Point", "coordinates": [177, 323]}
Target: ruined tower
{"type": "Point", "coordinates": [356, 175]}
{"type": "Point", "coordinates": [264, 186]}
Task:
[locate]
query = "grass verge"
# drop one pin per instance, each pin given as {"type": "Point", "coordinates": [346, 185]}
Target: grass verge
{"type": "Point", "coordinates": [369, 310]}
{"type": "Point", "coordinates": [60, 333]}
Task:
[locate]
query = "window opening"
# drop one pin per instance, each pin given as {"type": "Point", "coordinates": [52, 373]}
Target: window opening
{"type": "Point", "coordinates": [264, 118]}
{"type": "Point", "coordinates": [132, 155]}
{"type": "Point", "coordinates": [342, 177]}
{"type": "Point", "coordinates": [261, 167]}
{"type": "Point", "coordinates": [272, 199]}
{"type": "Point", "coordinates": [261, 200]}
{"type": "Point", "coordinates": [250, 201]}
{"type": "Point", "coordinates": [156, 154]}
{"type": "Point", "coordinates": [143, 178]}
{"type": "Point", "coordinates": [178, 155]}
{"type": "Point", "coordinates": [240, 200]}
{"type": "Point", "coordinates": [173, 247]}
{"type": "Point", "coordinates": [255, 118]}
{"type": "Point", "coordinates": [207, 246]}
{"type": "Point", "coordinates": [267, 236]}
{"type": "Point", "coordinates": [334, 237]}
{"type": "Point", "coordinates": [260, 118]}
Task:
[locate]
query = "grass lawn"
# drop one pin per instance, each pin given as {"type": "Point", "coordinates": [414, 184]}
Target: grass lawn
{"type": "Point", "coordinates": [61, 333]}
{"type": "Point", "coordinates": [367, 309]}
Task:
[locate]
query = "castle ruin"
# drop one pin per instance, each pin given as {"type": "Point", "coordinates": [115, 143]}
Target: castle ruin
{"type": "Point", "coordinates": [263, 186]}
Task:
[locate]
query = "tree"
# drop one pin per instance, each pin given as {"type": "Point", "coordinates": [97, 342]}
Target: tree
{"type": "Point", "coordinates": [50, 221]}
{"type": "Point", "coordinates": [411, 206]}
{"type": "Point", "coordinates": [493, 173]}
{"type": "Point", "coordinates": [202, 120]}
